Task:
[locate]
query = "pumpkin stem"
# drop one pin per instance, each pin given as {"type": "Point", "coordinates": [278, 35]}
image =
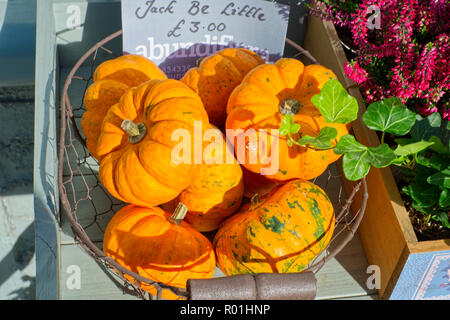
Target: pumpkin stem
{"type": "Point", "coordinates": [179, 214]}
{"type": "Point", "coordinates": [136, 132]}
{"type": "Point", "coordinates": [255, 201]}
{"type": "Point", "coordinates": [198, 61]}
{"type": "Point", "coordinates": [289, 106]}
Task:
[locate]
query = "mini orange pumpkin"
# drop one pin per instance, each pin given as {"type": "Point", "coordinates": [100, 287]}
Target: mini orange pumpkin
{"type": "Point", "coordinates": [217, 188]}
{"type": "Point", "coordinates": [217, 76]}
{"type": "Point", "coordinates": [137, 142]}
{"type": "Point", "coordinates": [111, 79]}
{"type": "Point", "coordinates": [260, 101]}
{"type": "Point", "coordinates": [280, 233]}
{"type": "Point", "coordinates": [158, 246]}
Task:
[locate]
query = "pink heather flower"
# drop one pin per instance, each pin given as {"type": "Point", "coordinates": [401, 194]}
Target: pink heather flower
{"type": "Point", "coordinates": [423, 110]}
{"type": "Point", "coordinates": [446, 114]}
{"type": "Point", "coordinates": [355, 72]}
{"type": "Point", "coordinates": [411, 49]}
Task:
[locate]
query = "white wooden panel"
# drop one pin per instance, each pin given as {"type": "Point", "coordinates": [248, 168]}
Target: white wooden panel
{"type": "Point", "coordinates": [341, 278]}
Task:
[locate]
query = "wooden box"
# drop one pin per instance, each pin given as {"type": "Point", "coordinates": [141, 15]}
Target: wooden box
{"type": "Point", "coordinates": [410, 269]}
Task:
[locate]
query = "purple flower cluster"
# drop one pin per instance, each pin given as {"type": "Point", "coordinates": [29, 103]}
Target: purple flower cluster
{"type": "Point", "coordinates": [407, 56]}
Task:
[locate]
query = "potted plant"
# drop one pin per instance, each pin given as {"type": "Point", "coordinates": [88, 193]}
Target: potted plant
{"type": "Point", "coordinates": [391, 55]}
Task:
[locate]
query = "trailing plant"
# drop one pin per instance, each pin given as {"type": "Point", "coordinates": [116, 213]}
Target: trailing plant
{"type": "Point", "coordinates": [418, 145]}
{"type": "Point", "coordinates": [405, 56]}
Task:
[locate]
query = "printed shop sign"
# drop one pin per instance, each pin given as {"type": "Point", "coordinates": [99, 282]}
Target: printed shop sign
{"type": "Point", "coordinates": [176, 33]}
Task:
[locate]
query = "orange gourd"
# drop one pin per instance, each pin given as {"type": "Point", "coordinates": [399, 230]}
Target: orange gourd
{"type": "Point", "coordinates": [216, 77]}
{"type": "Point", "coordinates": [279, 233]}
{"type": "Point", "coordinates": [158, 246]}
{"type": "Point", "coordinates": [138, 142]}
{"type": "Point", "coordinates": [217, 188]}
{"type": "Point", "coordinates": [266, 94]}
{"type": "Point", "coordinates": [112, 79]}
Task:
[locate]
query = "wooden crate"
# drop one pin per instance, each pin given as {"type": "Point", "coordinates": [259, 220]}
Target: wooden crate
{"type": "Point", "coordinates": [57, 50]}
{"type": "Point", "coordinates": [410, 269]}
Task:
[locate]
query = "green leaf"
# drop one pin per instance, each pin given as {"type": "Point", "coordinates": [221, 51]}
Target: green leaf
{"type": "Point", "coordinates": [439, 179]}
{"type": "Point", "coordinates": [288, 126]}
{"type": "Point", "coordinates": [433, 161]}
{"type": "Point", "coordinates": [425, 128]}
{"type": "Point", "coordinates": [412, 148]}
{"type": "Point", "coordinates": [438, 146]}
{"type": "Point", "coordinates": [322, 141]}
{"type": "Point", "coordinates": [381, 156]}
{"type": "Point", "coordinates": [348, 144]}
{"type": "Point", "coordinates": [356, 165]}
{"type": "Point", "coordinates": [289, 143]}
{"type": "Point", "coordinates": [443, 218]}
{"type": "Point", "coordinates": [423, 195]}
{"type": "Point", "coordinates": [335, 104]}
{"type": "Point", "coordinates": [389, 115]}
{"type": "Point", "coordinates": [444, 198]}
{"type": "Point", "coordinates": [404, 141]}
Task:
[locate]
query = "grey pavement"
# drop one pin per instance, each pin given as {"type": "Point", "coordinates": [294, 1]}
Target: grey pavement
{"type": "Point", "coordinates": [17, 258]}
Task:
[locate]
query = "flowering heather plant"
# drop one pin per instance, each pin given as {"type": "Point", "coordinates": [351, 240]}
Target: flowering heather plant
{"type": "Point", "coordinates": [406, 57]}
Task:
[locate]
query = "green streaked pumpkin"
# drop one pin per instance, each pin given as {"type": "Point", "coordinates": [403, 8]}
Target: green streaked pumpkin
{"type": "Point", "coordinates": [280, 233]}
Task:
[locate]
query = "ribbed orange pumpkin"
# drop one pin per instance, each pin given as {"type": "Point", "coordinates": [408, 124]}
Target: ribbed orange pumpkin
{"type": "Point", "coordinates": [136, 142]}
{"type": "Point", "coordinates": [260, 101]}
{"type": "Point", "coordinates": [158, 246]}
{"type": "Point", "coordinates": [217, 76]}
{"type": "Point", "coordinates": [111, 79]}
{"type": "Point", "coordinates": [281, 233]}
{"type": "Point", "coordinates": [217, 187]}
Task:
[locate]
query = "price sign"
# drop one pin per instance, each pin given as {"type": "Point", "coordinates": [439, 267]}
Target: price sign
{"type": "Point", "coordinates": [176, 33]}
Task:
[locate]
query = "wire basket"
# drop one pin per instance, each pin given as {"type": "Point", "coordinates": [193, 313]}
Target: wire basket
{"type": "Point", "coordinates": [88, 206]}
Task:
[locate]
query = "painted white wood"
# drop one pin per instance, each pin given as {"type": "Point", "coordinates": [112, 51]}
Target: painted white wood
{"type": "Point", "coordinates": [46, 198]}
{"type": "Point", "coordinates": [341, 278]}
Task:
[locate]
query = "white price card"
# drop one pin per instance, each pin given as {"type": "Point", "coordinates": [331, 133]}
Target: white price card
{"type": "Point", "coordinates": [176, 33]}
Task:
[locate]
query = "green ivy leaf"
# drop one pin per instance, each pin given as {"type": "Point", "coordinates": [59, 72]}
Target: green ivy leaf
{"type": "Point", "coordinates": [322, 141]}
{"type": "Point", "coordinates": [438, 146]}
{"type": "Point", "coordinates": [289, 143]}
{"type": "Point", "coordinates": [335, 104]}
{"type": "Point", "coordinates": [433, 161]}
{"type": "Point", "coordinates": [443, 218]}
{"type": "Point", "coordinates": [356, 160]}
{"type": "Point", "coordinates": [381, 156]}
{"type": "Point", "coordinates": [412, 148]}
{"type": "Point", "coordinates": [288, 126]}
{"type": "Point", "coordinates": [389, 115]}
{"type": "Point", "coordinates": [423, 195]}
{"type": "Point", "coordinates": [444, 198]}
{"type": "Point", "coordinates": [426, 128]}
{"type": "Point", "coordinates": [356, 165]}
{"type": "Point", "coordinates": [348, 144]}
{"type": "Point", "coordinates": [439, 179]}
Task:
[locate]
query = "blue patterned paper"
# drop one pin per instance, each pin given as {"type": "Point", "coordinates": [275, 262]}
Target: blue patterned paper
{"type": "Point", "coordinates": [425, 276]}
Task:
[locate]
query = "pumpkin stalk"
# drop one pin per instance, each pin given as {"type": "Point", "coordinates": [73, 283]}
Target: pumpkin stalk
{"type": "Point", "coordinates": [136, 132]}
{"type": "Point", "coordinates": [290, 106]}
{"type": "Point", "coordinates": [255, 201]}
{"type": "Point", "coordinates": [179, 214]}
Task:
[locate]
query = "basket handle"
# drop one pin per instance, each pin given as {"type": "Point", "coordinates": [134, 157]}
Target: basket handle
{"type": "Point", "coordinates": [263, 286]}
